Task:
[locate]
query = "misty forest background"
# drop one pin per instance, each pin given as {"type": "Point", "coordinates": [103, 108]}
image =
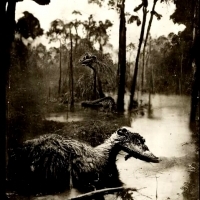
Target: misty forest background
{"type": "Point", "coordinates": [41, 80]}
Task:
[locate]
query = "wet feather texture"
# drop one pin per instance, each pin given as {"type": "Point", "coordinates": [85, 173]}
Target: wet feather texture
{"type": "Point", "coordinates": [53, 163]}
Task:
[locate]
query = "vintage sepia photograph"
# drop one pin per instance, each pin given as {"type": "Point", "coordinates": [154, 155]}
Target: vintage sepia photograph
{"type": "Point", "coordinates": [102, 99]}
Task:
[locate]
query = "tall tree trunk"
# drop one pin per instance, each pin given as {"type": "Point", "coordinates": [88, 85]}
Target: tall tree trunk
{"type": "Point", "coordinates": [71, 74]}
{"type": "Point", "coordinates": [121, 59]}
{"type": "Point", "coordinates": [151, 81]}
{"type": "Point", "coordinates": [99, 83]}
{"type": "Point", "coordinates": [195, 96]}
{"type": "Point", "coordinates": [69, 79]}
{"type": "Point", "coordinates": [145, 42]}
{"type": "Point", "coordinates": [76, 40]}
{"type": "Point", "coordinates": [75, 49]}
{"type": "Point", "coordinates": [134, 80]}
{"type": "Point", "coordinates": [60, 75]}
{"type": "Point", "coordinates": [7, 16]}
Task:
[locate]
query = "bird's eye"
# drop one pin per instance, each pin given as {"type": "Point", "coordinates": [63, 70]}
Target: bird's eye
{"type": "Point", "coordinates": [124, 130]}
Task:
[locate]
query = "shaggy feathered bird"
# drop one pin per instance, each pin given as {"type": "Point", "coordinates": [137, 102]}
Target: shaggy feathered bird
{"type": "Point", "coordinates": [53, 163]}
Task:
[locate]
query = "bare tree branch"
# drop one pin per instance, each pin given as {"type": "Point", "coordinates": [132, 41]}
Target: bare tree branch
{"type": "Point", "coordinates": [102, 192]}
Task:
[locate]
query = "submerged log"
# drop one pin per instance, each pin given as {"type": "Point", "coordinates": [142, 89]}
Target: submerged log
{"type": "Point", "coordinates": [101, 192]}
{"type": "Point", "coordinates": [106, 103]}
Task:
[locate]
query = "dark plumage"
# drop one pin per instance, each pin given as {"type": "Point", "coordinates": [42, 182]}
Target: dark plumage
{"type": "Point", "coordinates": [54, 163]}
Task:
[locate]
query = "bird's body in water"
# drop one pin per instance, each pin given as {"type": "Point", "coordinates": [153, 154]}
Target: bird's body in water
{"type": "Point", "coordinates": [54, 163]}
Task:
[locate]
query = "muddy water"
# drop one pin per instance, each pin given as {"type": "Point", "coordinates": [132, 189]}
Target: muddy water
{"type": "Point", "coordinates": [167, 136]}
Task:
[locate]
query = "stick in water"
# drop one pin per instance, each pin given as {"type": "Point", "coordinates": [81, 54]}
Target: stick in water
{"type": "Point", "coordinates": [102, 192]}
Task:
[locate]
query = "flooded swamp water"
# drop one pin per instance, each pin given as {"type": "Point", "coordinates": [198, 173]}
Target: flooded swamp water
{"type": "Point", "coordinates": [167, 135]}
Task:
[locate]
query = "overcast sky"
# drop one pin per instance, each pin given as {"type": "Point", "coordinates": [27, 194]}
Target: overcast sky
{"type": "Point", "coordinates": [62, 9]}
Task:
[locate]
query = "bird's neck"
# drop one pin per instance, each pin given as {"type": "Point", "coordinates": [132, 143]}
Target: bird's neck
{"type": "Point", "coordinates": [109, 148]}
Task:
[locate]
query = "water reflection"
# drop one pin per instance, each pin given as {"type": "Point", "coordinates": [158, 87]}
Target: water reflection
{"type": "Point", "coordinates": [60, 117]}
{"type": "Point", "coordinates": [78, 114]}
{"type": "Point", "coordinates": [165, 132]}
{"type": "Point", "coordinates": [168, 129]}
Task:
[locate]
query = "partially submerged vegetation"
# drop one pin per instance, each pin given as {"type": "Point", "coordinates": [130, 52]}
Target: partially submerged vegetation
{"type": "Point", "coordinates": [91, 131]}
